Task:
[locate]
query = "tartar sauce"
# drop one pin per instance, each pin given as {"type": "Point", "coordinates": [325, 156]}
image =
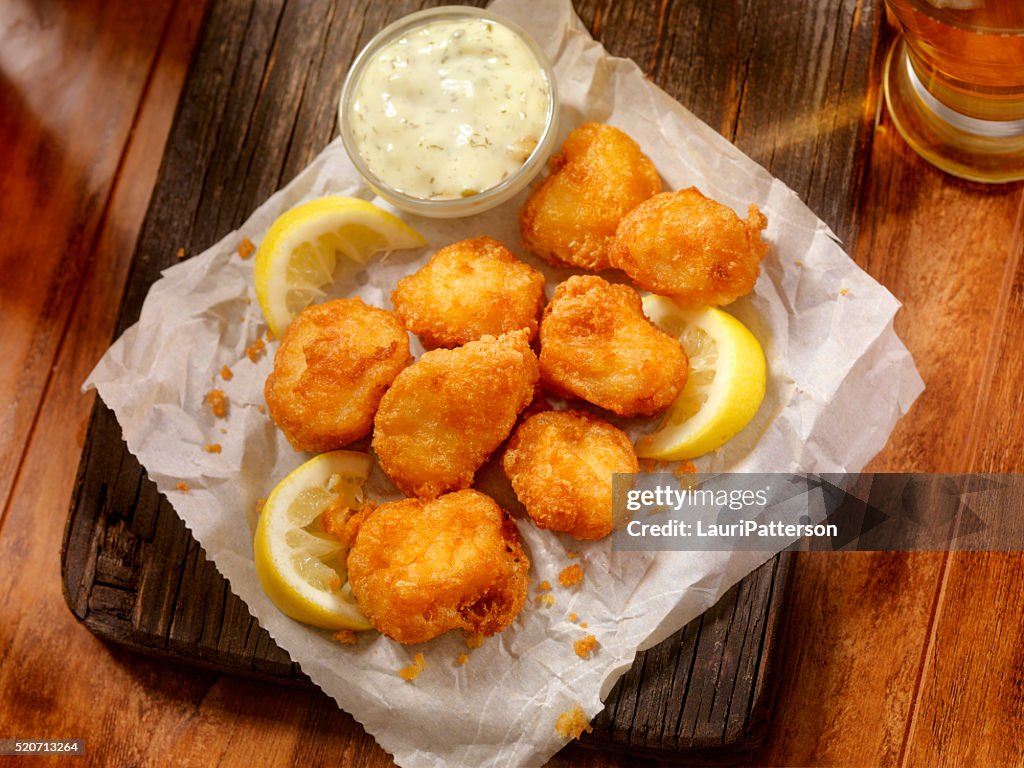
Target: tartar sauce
{"type": "Point", "coordinates": [450, 109]}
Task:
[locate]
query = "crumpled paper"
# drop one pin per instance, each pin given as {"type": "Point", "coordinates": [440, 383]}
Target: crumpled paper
{"type": "Point", "coordinates": [839, 379]}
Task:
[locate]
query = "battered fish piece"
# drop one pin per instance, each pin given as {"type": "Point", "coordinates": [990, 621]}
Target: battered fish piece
{"type": "Point", "coordinates": [596, 344]}
{"type": "Point", "coordinates": [469, 289]}
{"type": "Point", "coordinates": [448, 411]}
{"type": "Point", "coordinates": [561, 464]}
{"type": "Point", "coordinates": [692, 248]}
{"type": "Point", "coordinates": [421, 568]}
{"type": "Point", "coordinates": [333, 366]}
{"type": "Point", "coordinates": [597, 177]}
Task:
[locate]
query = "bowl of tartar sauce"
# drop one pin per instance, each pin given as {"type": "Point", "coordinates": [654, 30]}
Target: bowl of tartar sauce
{"type": "Point", "coordinates": [449, 111]}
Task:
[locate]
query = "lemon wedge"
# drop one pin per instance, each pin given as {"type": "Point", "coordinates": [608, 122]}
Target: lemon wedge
{"type": "Point", "coordinates": [302, 569]}
{"type": "Point", "coordinates": [299, 253]}
{"type": "Point", "coordinates": [725, 386]}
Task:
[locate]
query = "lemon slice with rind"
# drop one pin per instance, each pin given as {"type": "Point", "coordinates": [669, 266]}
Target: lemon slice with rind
{"type": "Point", "coordinates": [299, 254]}
{"type": "Point", "coordinates": [302, 569]}
{"type": "Point", "coordinates": [724, 388]}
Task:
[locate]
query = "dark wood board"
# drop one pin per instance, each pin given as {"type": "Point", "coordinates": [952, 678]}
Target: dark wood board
{"type": "Point", "coordinates": [787, 81]}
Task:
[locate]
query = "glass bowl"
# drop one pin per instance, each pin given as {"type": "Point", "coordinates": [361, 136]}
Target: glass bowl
{"type": "Point", "coordinates": [448, 205]}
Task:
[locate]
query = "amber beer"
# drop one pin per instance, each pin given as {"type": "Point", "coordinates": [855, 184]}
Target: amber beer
{"type": "Point", "coordinates": [964, 61]}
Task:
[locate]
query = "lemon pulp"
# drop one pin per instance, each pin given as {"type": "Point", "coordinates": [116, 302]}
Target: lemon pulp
{"type": "Point", "coordinates": [724, 388]}
{"type": "Point", "coordinates": [299, 254]}
{"type": "Point", "coordinates": [302, 569]}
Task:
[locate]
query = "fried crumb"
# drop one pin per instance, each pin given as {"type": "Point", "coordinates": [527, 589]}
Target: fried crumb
{"type": "Point", "coordinates": [585, 647]}
{"type": "Point", "coordinates": [183, 486]}
{"type": "Point", "coordinates": [218, 402]}
{"type": "Point", "coordinates": [685, 468]}
{"type": "Point", "coordinates": [259, 506]}
{"type": "Point", "coordinates": [462, 659]}
{"type": "Point", "coordinates": [248, 301]}
{"type": "Point", "coordinates": [574, 617]}
{"type": "Point", "coordinates": [844, 291]}
{"type": "Point", "coordinates": [212, 447]}
{"type": "Point", "coordinates": [226, 373]}
{"type": "Point", "coordinates": [345, 637]}
{"type": "Point", "coordinates": [572, 554]}
{"type": "Point", "coordinates": [571, 576]}
{"type": "Point", "coordinates": [180, 254]}
{"type": "Point", "coordinates": [410, 673]}
{"type": "Point", "coordinates": [262, 409]}
{"type": "Point", "coordinates": [335, 583]}
{"type": "Point", "coordinates": [270, 335]}
{"type": "Point", "coordinates": [545, 600]}
{"type": "Point", "coordinates": [799, 263]}
{"type": "Point", "coordinates": [544, 586]}
{"type": "Point", "coordinates": [572, 724]}
{"type": "Point", "coordinates": [342, 522]}
{"type": "Point", "coordinates": [583, 625]}
{"type": "Point", "coordinates": [222, 430]}
{"type": "Point", "coordinates": [246, 248]}
{"type": "Point", "coordinates": [474, 641]}
{"type": "Point", "coordinates": [646, 465]}
{"type": "Point", "coordinates": [255, 350]}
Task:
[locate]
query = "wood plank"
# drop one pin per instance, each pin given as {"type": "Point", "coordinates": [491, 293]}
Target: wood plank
{"type": "Point", "coordinates": [60, 157]}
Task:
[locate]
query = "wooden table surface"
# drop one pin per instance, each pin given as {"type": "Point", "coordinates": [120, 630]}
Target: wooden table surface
{"type": "Point", "coordinates": [888, 659]}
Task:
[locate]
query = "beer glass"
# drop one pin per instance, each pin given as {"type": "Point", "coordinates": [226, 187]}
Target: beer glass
{"type": "Point", "coordinates": [954, 84]}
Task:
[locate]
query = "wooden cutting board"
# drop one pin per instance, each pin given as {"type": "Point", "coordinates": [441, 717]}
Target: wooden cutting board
{"type": "Point", "coordinates": [790, 82]}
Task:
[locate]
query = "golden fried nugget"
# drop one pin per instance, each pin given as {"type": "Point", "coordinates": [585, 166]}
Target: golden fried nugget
{"type": "Point", "coordinates": [690, 247]}
{"type": "Point", "coordinates": [469, 289]}
{"type": "Point", "coordinates": [448, 411]}
{"type": "Point", "coordinates": [597, 177]}
{"type": "Point", "coordinates": [420, 568]}
{"type": "Point", "coordinates": [596, 344]}
{"type": "Point", "coordinates": [561, 464]}
{"type": "Point", "coordinates": [333, 366]}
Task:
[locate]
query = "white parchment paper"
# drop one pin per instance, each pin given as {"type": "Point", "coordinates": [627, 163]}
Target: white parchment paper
{"type": "Point", "coordinates": [839, 379]}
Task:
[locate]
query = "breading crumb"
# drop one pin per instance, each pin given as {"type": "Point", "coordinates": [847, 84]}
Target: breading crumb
{"type": "Point", "coordinates": [474, 641]}
{"type": "Point", "coordinates": [646, 465]}
{"type": "Point", "coordinates": [259, 506]}
{"type": "Point", "coordinates": [183, 486]}
{"type": "Point", "coordinates": [222, 430]}
{"type": "Point", "coordinates": [799, 263]}
{"type": "Point", "coordinates": [685, 468]}
{"type": "Point", "coordinates": [574, 617]}
{"type": "Point", "coordinates": [585, 647]}
{"type": "Point", "coordinates": [462, 659]}
{"type": "Point", "coordinates": [226, 373]}
{"type": "Point", "coordinates": [345, 637]}
{"type": "Point", "coordinates": [262, 409]}
{"type": "Point", "coordinates": [218, 402]}
{"type": "Point", "coordinates": [583, 625]}
{"type": "Point", "coordinates": [270, 335]}
{"type": "Point", "coordinates": [544, 586]}
{"type": "Point", "coordinates": [212, 447]}
{"type": "Point", "coordinates": [246, 248]}
{"type": "Point", "coordinates": [180, 254]}
{"type": "Point", "coordinates": [572, 554]}
{"type": "Point", "coordinates": [413, 671]}
{"type": "Point", "coordinates": [255, 350]}
{"type": "Point", "coordinates": [844, 291]}
{"type": "Point", "coordinates": [572, 724]}
{"type": "Point", "coordinates": [571, 576]}
{"type": "Point", "coordinates": [545, 600]}
{"type": "Point", "coordinates": [335, 583]}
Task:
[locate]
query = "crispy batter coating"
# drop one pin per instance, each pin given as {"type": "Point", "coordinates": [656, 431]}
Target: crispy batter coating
{"type": "Point", "coordinates": [420, 568]}
{"type": "Point", "coordinates": [469, 289]}
{"type": "Point", "coordinates": [596, 344]}
{"type": "Point", "coordinates": [333, 366]}
{"type": "Point", "coordinates": [448, 411]}
{"type": "Point", "coordinates": [561, 465]}
{"type": "Point", "coordinates": [690, 247]}
{"type": "Point", "coordinates": [599, 175]}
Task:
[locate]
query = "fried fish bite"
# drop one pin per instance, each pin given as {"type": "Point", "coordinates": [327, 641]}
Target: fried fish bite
{"type": "Point", "coordinates": [597, 177]}
{"type": "Point", "coordinates": [469, 289]}
{"type": "Point", "coordinates": [690, 247]}
{"type": "Point", "coordinates": [597, 345]}
{"type": "Point", "coordinates": [333, 366]}
{"type": "Point", "coordinates": [420, 568]}
{"type": "Point", "coordinates": [561, 464]}
{"type": "Point", "coordinates": [448, 411]}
